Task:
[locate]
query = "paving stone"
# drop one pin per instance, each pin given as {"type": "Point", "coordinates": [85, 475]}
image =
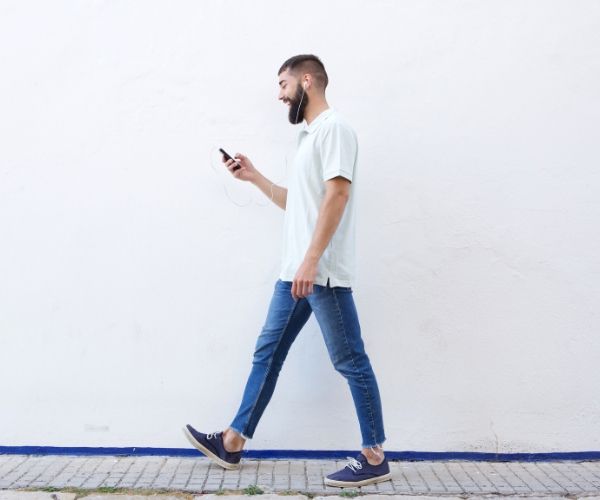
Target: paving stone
{"type": "Point", "coordinates": [35, 495]}
{"type": "Point", "coordinates": [580, 476]}
{"type": "Point", "coordinates": [267, 496]}
{"type": "Point", "coordinates": [297, 482]}
{"type": "Point", "coordinates": [212, 486]}
{"type": "Point", "coordinates": [401, 497]}
{"type": "Point", "coordinates": [516, 497]}
{"type": "Point", "coordinates": [430, 478]}
{"type": "Point", "coordinates": [131, 497]}
{"type": "Point", "coordinates": [385, 487]}
{"type": "Point", "coordinates": [415, 480]}
{"type": "Point", "coordinates": [198, 474]}
{"type": "Point", "coordinates": [558, 482]}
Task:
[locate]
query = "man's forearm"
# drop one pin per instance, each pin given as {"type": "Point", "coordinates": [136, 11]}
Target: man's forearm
{"type": "Point", "coordinates": [275, 193]}
{"type": "Point", "coordinates": [330, 214]}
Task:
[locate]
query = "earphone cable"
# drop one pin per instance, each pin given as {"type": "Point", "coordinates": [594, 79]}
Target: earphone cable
{"type": "Point", "coordinates": [224, 185]}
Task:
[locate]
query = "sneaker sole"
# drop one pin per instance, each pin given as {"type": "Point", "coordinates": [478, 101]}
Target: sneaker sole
{"type": "Point", "coordinates": [364, 482]}
{"type": "Point", "coordinates": [207, 452]}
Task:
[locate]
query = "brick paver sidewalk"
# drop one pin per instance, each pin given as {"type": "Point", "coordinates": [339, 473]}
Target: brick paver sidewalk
{"type": "Point", "coordinates": [199, 475]}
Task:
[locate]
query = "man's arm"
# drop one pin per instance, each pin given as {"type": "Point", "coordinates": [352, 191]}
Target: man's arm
{"type": "Point", "coordinates": [337, 192]}
{"type": "Point", "coordinates": [243, 169]}
{"type": "Point", "coordinates": [279, 194]}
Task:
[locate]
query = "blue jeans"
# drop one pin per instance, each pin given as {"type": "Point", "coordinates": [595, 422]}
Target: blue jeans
{"type": "Point", "coordinates": [337, 317]}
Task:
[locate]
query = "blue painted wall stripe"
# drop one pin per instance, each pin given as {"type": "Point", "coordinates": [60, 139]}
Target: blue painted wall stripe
{"type": "Point", "coordinates": [304, 454]}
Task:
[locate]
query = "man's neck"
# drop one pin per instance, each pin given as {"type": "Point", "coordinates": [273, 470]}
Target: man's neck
{"type": "Point", "coordinates": [314, 109]}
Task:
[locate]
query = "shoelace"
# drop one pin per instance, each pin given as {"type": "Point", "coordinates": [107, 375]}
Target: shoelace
{"type": "Point", "coordinates": [212, 435]}
{"type": "Point", "coordinates": [353, 464]}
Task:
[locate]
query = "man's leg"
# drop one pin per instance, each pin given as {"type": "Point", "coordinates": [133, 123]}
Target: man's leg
{"type": "Point", "coordinates": [336, 314]}
{"type": "Point", "coordinates": [285, 319]}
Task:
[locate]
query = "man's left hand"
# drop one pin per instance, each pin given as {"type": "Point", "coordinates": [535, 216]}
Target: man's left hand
{"type": "Point", "coordinates": [304, 279]}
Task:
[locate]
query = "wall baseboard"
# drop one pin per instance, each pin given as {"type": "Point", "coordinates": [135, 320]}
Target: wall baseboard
{"type": "Point", "coordinates": [305, 454]}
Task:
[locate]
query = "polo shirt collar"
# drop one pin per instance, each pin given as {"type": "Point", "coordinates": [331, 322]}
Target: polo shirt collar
{"type": "Point", "coordinates": [316, 123]}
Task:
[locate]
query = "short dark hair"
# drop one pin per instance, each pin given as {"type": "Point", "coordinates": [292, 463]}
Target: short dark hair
{"type": "Point", "coordinates": [307, 63]}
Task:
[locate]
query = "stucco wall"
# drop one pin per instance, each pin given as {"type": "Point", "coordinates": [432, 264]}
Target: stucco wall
{"type": "Point", "coordinates": [135, 273]}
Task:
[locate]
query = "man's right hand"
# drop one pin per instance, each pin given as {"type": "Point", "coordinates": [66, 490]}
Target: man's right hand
{"type": "Point", "coordinates": [246, 172]}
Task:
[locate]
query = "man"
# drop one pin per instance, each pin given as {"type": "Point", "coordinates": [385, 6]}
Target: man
{"type": "Point", "coordinates": [317, 275]}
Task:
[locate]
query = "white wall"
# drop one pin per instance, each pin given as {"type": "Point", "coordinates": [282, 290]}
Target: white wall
{"type": "Point", "coordinates": [133, 286]}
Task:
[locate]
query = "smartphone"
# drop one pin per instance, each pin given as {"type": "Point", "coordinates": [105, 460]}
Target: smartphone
{"type": "Point", "coordinates": [229, 157]}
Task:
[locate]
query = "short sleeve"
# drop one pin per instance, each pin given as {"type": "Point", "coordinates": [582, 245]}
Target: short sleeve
{"type": "Point", "coordinates": [338, 150]}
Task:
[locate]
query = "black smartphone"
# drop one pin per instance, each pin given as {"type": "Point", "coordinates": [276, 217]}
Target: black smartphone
{"type": "Point", "coordinates": [229, 157]}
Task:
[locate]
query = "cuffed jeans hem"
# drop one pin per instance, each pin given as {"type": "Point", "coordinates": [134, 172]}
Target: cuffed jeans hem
{"type": "Point", "coordinates": [239, 432]}
{"type": "Point", "coordinates": [373, 445]}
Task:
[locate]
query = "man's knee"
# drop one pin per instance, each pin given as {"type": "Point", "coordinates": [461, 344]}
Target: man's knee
{"type": "Point", "coordinates": [352, 365]}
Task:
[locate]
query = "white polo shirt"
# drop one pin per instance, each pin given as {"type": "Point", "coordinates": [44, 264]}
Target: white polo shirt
{"type": "Point", "coordinates": [328, 147]}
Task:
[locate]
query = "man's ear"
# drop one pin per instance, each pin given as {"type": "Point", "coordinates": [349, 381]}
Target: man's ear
{"type": "Point", "coordinates": [306, 81]}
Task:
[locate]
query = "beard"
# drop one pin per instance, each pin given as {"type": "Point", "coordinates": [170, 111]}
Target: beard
{"type": "Point", "coordinates": [297, 107]}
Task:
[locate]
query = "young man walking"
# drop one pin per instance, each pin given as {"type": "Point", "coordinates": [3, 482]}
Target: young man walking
{"type": "Point", "coordinates": [317, 274]}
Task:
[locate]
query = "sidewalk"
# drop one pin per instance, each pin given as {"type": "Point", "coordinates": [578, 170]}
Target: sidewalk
{"type": "Point", "coordinates": [147, 474]}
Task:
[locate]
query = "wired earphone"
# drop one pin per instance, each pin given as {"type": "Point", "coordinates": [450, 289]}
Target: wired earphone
{"type": "Point", "coordinates": [304, 88]}
{"type": "Point", "coordinates": [300, 105]}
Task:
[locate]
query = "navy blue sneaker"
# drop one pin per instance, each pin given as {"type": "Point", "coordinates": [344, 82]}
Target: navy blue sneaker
{"type": "Point", "coordinates": [212, 446]}
{"type": "Point", "coordinates": [359, 472]}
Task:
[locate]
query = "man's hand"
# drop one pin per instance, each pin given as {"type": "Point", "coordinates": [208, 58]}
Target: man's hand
{"type": "Point", "coordinates": [304, 279]}
{"type": "Point", "coordinates": [246, 170]}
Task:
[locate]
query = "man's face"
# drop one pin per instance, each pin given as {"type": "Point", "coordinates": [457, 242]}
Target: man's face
{"type": "Point", "coordinates": [290, 92]}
